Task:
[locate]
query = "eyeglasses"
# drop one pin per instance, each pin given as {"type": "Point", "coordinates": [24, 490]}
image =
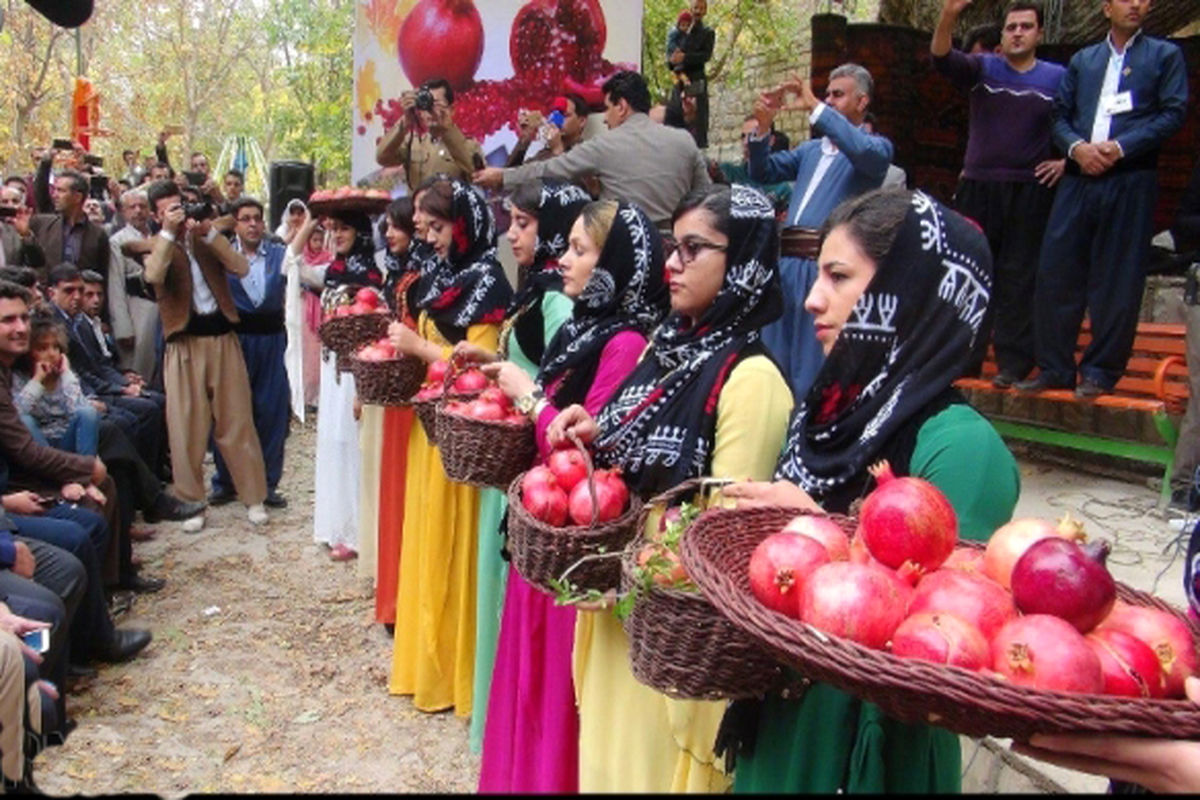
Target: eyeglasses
{"type": "Point", "coordinates": [689, 249]}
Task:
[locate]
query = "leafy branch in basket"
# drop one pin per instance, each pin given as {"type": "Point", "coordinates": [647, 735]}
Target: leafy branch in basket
{"type": "Point", "coordinates": [658, 562]}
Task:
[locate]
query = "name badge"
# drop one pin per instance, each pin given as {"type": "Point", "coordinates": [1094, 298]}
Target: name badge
{"type": "Point", "coordinates": [1119, 103]}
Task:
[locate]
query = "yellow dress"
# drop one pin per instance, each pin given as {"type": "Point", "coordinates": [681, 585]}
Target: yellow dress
{"type": "Point", "coordinates": [433, 656]}
{"type": "Point", "coordinates": [631, 737]}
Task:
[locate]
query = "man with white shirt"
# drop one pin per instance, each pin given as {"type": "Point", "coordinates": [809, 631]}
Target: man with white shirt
{"type": "Point", "coordinates": [844, 162]}
{"type": "Point", "coordinates": [1118, 102]}
{"type": "Point", "coordinates": [204, 371]}
{"type": "Point", "coordinates": [258, 296]}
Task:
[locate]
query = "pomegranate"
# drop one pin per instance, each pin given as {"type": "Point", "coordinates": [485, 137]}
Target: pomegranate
{"type": "Point", "coordinates": [437, 372]}
{"type": "Point", "coordinates": [1045, 652]}
{"type": "Point", "coordinates": [569, 467]}
{"type": "Point", "coordinates": [1130, 667]}
{"type": "Point", "coordinates": [483, 410]}
{"type": "Point", "coordinates": [538, 476]}
{"type": "Point", "coordinates": [367, 296]}
{"type": "Point", "coordinates": [494, 394]}
{"type": "Point", "coordinates": [1168, 636]}
{"type": "Point", "coordinates": [861, 602]}
{"type": "Point", "coordinates": [975, 599]}
{"type": "Point", "coordinates": [943, 639]}
{"type": "Point", "coordinates": [551, 40]}
{"type": "Point", "coordinates": [546, 502]}
{"type": "Point", "coordinates": [965, 559]}
{"type": "Point", "coordinates": [615, 482]}
{"type": "Point", "coordinates": [779, 566]}
{"type": "Point", "coordinates": [663, 564]}
{"type": "Point", "coordinates": [824, 530]}
{"type": "Point", "coordinates": [441, 39]}
{"type": "Point", "coordinates": [470, 382]}
{"type": "Point", "coordinates": [907, 520]}
{"type": "Point", "coordinates": [1057, 576]}
{"type": "Point", "coordinates": [1010, 541]}
{"type": "Point", "coordinates": [608, 503]}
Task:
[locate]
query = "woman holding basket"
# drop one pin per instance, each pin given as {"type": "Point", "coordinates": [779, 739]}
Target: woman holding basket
{"type": "Point", "coordinates": [541, 218]}
{"type": "Point", "coordinates": [902, 284]}
{"type": "Point", "coordinates": [613, 273]}
{"type": "Point", "coordinates": [705, 400]}
{"type": "Point", "coordinates": [462, 296]}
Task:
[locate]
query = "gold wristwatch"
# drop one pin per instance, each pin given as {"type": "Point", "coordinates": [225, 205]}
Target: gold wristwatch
{"type": "Point", "coordinates": [526, 402]}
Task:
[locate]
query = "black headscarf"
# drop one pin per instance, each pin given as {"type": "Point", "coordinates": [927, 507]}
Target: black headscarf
{"type": "Point", "coordinates": [557, 211]}
{"type": "Point", "coordinates": [907, 340]}
{"type": "Point", "coordinates": [660, 426]}
{"type": "Point", "coordinates": [626, 291]}
{"type": "Point", "coordinates": [469, 286]}
{"type": "Point", "coordinates": [358, 267]}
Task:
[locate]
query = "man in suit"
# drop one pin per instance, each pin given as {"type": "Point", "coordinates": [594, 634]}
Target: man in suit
{"type": "Point", "coordinates": [132, 312]}
{"type": "Point", "coordinates": [18, 247]}
{"type": "Point", "coordinates": [258, 296]}
{"type": "Point", "coordinates": [844, 162]}
{"type": "Point", "coordinates": [1119, 101]}
{"type": "Point", "coordinates": [636, 159]}
{"type": "Point", "coordinates": [66, 235]}
{"type": "Point", "coordinates": [204, 371]}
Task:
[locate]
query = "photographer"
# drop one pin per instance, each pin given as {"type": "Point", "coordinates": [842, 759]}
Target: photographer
{"type": "Point", "coordinates": [67, 235]}
{"type": "Point", "coordinates": [559, 132]}
{"type": "Point", "coordinates": [426, 141]}
{"type": "Point", "coordinates": [20, 248]}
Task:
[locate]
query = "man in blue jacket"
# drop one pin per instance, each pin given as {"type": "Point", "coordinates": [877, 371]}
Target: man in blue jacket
{"type": "Point", "coordinates": [843, 162]}
{"type": "Point", "coordinates": [259, 299]}
{"type": "Point", "coordinates": [1119, 101]}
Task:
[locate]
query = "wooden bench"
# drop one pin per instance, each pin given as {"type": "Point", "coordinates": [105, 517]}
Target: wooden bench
{"type": "Point", "coordinates": [1154, 390]}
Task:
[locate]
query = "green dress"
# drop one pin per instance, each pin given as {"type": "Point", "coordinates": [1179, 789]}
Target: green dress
{"type": "Point", "coordinates": [492, 569]}
{"type": "Point", "coordinates": [828, 741]}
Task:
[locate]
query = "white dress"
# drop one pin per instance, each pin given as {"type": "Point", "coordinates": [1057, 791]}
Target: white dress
{"type": "Point", "coordinates": [335, 515]}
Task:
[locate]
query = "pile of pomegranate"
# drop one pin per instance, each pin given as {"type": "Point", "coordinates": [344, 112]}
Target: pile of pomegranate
{"type": "Point", "coordinates": [367, 300]}
{"type": "Point", "coordinates": [557, 491]}
{"type": "Point", "coordinates": [348, 193]}
{"type": "Point", "coordinates": [380, 350]}
{"type": "Point", "coordinates": [1037, 608]}
{"type": "Point", "coordinates": [658, 560]}
{"type": "Point", "coordinates": [490, 405]}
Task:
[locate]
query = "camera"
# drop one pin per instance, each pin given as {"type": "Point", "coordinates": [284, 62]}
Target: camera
{"type": "Point", "coordinates": [99, 186]}
{"type": "Point", "coordinates": [199, 210]}
{"type": "Point", "coordinates": [7, 213]}
{"type": "Point", "coordinates": [93, 161]}
{"type": "Point", "coordinates": [194, 178]}
{"type": "Point", "coordinates": [556, 119]}
{"type": "Point", "coordinates": [423, 100]}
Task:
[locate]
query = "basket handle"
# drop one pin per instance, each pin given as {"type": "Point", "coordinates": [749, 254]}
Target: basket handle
{"type": "Point", "coordinates": [591, 473]}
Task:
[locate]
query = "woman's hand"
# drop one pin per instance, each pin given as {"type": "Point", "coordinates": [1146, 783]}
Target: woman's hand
{"type": "Point", "coordinates": [408, 342]}
{"type": "Point", "coordinates": [96, 495]}
{"type": "Point", "coordinates": [467, 353]}
{"type": "Point", "coordinates": [752, 494]}
{"type": "Point", "coordinates": [73, 492]}
{"type": "Point", "coordinates": [1160, 765]}
{"type": "Point", "coordinates": [572, 419]}
{"type": "Point", "coordinates": [511, 379]}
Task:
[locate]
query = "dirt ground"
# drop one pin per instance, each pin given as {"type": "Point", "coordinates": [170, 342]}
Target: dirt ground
{"type": "Point", "coordinates": [266, 674]}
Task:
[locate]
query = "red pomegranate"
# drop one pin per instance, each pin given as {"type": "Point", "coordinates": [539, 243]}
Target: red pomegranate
{"type": "Point", "coordinates": [978, 600]}
{"type": "Point", "coordinates": [942, 639]}
{"type": "Point", "coordinates": [824, 530]}
{"type": "Point", "coordinates": [1045, 652]}
{"type": "Point", "coordinates": [965, 559]}
{"type": "Point", "coordinates": [1057, 576]}
{"type": "Point", "coordinates": [551, 40]}
{"type": "Point", "coordinates": [539, 475]}
{"type": "Point", "coordinates": [569, 467]}
{"type": "Point", "coordinates": [608, 503]}
{"type": "Point", "coordinates": [470, 382]}
{"type": "Point", "coordinates": [613, 478]}
{"type": "Point", "coordinates": [1130, 667]}
{"type": "Point", "coordinates": [437, 372]}
{"type": "Point", "coordinates": [1010, 541]}
{"type": "Point", "coordinates": [907, 520]}
{"type": "Point", "coordinates": [547, 503]}
{"type": "Point", "coordinates": [1168, 636]}
{"type": "Point", "coordinates": [779, 566]}
{"type": "Point", "coordinates": [441, 39]}
{"type": "Point", "coordinates": [861, 602]}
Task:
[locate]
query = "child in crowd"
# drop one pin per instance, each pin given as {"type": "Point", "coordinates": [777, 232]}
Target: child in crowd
{"type": "Point", "coordinates": [675, 39]}
{"type": "Point", "coordinates": [48, 395]}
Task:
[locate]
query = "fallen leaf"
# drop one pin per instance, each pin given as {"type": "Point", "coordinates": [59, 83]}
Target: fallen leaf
{"type": "Point", "coordinates": [233, 751]}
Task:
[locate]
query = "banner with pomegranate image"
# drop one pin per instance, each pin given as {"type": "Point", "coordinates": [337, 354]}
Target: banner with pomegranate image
{"type": "Point", "coordinates": [501, 56]}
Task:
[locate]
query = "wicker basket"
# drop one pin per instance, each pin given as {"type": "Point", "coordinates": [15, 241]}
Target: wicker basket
{"type": "Point", "coordinates": [543, 553]}
{"type": "Point", "coordinates": [679, 643]}
{"type": "Point", "coordinates": [426, 411]}
{"type": "Point", "coordinates": [716, 553]}
{"type": "Point", "coordinates": [345, 335]}
{"type": "Point", "coordinates": [367, 205]}
{"type": "Point", "coordinates": [482, 452]}
{"type": "Point", "coordinates": [387, 383]}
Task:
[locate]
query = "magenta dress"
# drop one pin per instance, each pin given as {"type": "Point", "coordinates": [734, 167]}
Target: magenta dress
{"type": "Point", "coordinates": [531, 740]}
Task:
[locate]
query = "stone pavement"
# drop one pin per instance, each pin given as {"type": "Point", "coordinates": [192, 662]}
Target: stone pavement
{"type": "Point", "coordinates": [1141, 535]}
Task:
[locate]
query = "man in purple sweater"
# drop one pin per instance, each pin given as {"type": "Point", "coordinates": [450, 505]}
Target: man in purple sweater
{"type": "Point", "coordinates": [1009, 171]}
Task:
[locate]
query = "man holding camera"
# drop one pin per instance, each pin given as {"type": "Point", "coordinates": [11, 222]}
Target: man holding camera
{"type": "Point", "coordinates": [132, 312]}
{"type": "Point", "coordinates": [66, 235]}
{"type": "Point", "coordinates": [204, 373]}
{"type": "Point", "coordinates": [19, 247]}
{"type": "Point", "coordinates": [426, 141]}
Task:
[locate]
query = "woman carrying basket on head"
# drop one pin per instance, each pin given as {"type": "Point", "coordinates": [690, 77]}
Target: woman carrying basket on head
{"type": "Point", "coordinates": [705, 400]}
{"type": "Point", "coordinates": [902, 284]}
{"type": "Point", "coordinates": [462, 296]}
{"type": "Point", "coordinates": [613, 273]}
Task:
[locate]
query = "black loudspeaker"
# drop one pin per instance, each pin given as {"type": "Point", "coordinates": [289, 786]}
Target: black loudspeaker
{"type": "Point", "coordinates": [289, 180]}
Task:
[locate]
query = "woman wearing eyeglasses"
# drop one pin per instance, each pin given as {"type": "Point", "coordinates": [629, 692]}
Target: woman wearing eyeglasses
{"type": "Point", "coordinates": [704, 400]}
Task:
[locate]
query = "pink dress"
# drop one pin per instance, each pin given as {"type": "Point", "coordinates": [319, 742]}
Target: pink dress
{"type": "Point", "coordinates": [531, 741]}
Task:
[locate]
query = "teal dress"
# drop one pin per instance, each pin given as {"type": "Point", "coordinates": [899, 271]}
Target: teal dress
{"type": "Point", "coordinates": [491, 568]}
{"type": "Point", "coordinates": [827, 740]}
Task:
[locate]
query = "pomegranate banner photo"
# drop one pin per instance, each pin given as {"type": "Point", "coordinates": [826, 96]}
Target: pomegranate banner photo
{"type": "Point", "coordinates": [501, 57]}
